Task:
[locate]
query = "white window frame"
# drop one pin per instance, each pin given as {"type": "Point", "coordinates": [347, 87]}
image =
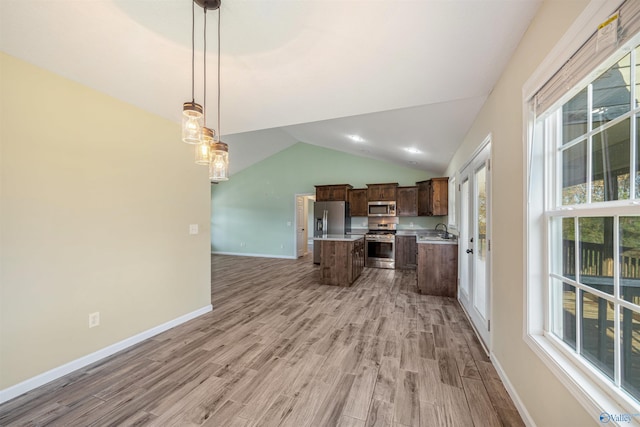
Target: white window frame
{"type": "Point", "coordinates": [585, 382]}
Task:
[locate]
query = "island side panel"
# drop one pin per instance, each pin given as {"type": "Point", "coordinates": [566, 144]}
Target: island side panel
{"type": "Point", "coordinates": [335, 262]}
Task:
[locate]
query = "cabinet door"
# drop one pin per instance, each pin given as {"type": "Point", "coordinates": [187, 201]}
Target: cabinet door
{"type": "Point", "coordinates": [358, 202]}
{"type": "Point", "coordinates": [423, 198]}
{"type": "Point", "coordinates": [339, 194]}
{"type": "Point", "coordinates": [438, 269]}
{"type": "Point", "coordinates": [382, 192]}
{"type": "Point", "coordinates": [440, 196]}
{"type": "Point", "coordinates": [323, 194]}
{"type": "Point", "coordinates": [388, 192]}
{"type": "Point", "coordinates": [406, 252]}
{"type": "Point", "coordinates": [407, 201]}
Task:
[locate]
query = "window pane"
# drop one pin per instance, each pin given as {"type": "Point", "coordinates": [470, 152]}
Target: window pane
{"type": "Point", "coordinates": [574, 174]}
{"type": "Point", "coordinates": [563, 260]}
{"type": "Point", "coordinates": [637, 157]}
{"type": "Point", "coordinates": [611, 93]}
{"type": "Point", "coordinates": [564, 312]}
{"type": "Point", "coordinates": [610, 154]}
{"type": "Point", "coordinates": [574, 117]}
{"type": "Point", "coordinates": [597, 332]}
{"type": "Point", "coordinates": [631, 352]}
{"type": "Point", "coordinates": [596, 253]}
{"type": "Point", "coordinates": [630, 258]}
{"type": "Point", "coordinates": [637, 78]}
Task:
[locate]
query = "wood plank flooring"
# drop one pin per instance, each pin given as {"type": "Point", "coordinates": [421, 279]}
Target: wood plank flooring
{"type": "Point", "coordinates": [279, 349]}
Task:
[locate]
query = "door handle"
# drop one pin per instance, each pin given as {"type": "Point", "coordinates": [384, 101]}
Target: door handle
{"type": "Point", "coordinates": [469, 251]}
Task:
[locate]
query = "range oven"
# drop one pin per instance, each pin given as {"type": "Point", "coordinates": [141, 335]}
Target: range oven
{"type": "Point", "coordinates": [380, 250]}
{"type": "Point", "coordinates": [380, 243]}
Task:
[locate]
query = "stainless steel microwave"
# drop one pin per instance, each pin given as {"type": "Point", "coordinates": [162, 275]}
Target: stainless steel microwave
{"type": "Point", "coordinates": [381, 209]}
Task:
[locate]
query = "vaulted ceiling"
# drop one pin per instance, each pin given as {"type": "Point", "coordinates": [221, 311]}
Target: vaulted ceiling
{"type": "Point", "coordinates": [407, 74]}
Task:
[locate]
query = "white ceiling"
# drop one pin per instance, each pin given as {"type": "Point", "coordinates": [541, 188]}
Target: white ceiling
{"type": "Point", "coordinates": [406, 73]}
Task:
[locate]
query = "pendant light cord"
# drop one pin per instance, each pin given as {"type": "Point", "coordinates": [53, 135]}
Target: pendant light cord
{"type": "Point", "coordinates": [219, 130]}
{"type": "Point", "coordinates": [193, 51]}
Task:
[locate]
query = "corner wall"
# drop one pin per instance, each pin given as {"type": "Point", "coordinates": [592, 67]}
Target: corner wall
{"type": "Point", "coordinates": [547, 401]}
{"type": "Point", "coordinates": [256, 205]}
{"type": "Point", "coordinates": [95, 205]}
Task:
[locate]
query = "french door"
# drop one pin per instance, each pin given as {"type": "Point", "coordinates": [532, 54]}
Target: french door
{"type": "Point", "coordinates": [475, 241]}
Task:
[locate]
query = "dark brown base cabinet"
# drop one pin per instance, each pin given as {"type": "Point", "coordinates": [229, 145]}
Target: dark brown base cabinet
{"type": "Point", "coordinates": [341, 262]}
{"type": "Point", "coordinates": [406, 252]}
{"type": "Point", "coordinates": [438, 269]}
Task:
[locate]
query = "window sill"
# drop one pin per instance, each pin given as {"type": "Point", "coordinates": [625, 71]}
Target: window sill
{"type": "Point", "coordinates": [595, 398]}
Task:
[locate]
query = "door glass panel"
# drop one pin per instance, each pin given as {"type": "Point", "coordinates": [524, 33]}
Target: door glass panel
{"type": "Point", "coordinates": [610, 163]}
{"type": "Point", "coordinates": [597, 332]}
{"type": "Point", "coordinates": [464, 237]}
{"type": "Point", "coordinates": [596, 252]}
{"type": "Point", "coordinates": [630, 258]}
{"type": "Point", "coordinates": [480, 251]}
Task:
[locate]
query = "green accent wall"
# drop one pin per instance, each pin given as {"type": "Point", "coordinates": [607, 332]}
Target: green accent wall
{"type": "Point", "coordinates": [250, 213]}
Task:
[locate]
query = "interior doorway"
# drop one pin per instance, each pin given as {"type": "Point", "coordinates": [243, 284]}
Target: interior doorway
{"type": "Point", "coordinates": [304, 209]}
{"type": "Point", "coordinates": [475, 241]}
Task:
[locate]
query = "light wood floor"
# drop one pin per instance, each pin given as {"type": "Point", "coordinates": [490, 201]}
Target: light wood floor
{"type": "Point", "coordinates": [281, 350]}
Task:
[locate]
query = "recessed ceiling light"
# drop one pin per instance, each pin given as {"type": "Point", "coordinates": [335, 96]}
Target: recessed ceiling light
{"type": "Point", "coordinates": [412, 150]}
{"type": "Point", "coordinates": [356, 138]}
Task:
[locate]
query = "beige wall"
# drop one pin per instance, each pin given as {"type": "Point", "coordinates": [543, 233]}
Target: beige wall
{"type": "Point", "coordinates": [546, 399]}
{"type": "Point", "coordinates": [96, 199]}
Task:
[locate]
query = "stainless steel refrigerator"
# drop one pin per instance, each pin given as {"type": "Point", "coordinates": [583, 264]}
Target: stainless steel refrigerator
{"type": "Point", "coordinates": [329, 218]}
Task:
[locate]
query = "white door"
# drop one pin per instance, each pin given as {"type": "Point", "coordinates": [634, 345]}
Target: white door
{"type": "Point", "coordinates": [301, 221]}
{"type": "Point", "coordinates": [475, 242]}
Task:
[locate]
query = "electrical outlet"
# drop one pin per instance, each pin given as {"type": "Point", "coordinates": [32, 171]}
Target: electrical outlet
{"type": "Point", "coordinates": [288, 223]}
{"type": "Point", "coordinates": [243, 244]}
{"type": "Point", "coordinates": [94, 319]}
{"type": "Point", "coordinates": [193, 228]}
{"type": "Point", "coordinates": [282, 246]}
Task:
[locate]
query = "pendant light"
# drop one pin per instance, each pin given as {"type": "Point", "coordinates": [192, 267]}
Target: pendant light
{"type": "Point", "coordinates": [203, 150]}
{"type": "Point", "coordinates": [191, 111]}
{"type": "Point", "coordinates": [219, 164]}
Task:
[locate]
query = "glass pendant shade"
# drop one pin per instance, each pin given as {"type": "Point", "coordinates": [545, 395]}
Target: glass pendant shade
{"type": "Point", "coordinates": [219, 165]}
{"type": "Point", "coordinates": [203, 150]}
{"type": "Point", "coordinates": [191, 123]}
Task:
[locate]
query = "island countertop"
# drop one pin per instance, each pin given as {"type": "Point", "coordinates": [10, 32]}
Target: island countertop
{"type": "Point", "coordinates": [340, 237]}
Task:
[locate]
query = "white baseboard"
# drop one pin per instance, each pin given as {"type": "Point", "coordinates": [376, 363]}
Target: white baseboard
{"type": "Point", "coordinates": [526, 417]}
{"type": "Point", "coordinates": [254, 255]}
{"type": "Point", "coordinates": [60, 371]}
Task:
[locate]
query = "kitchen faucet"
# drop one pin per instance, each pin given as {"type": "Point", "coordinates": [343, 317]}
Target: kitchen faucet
{"type": "Point", "coordinates": [446, 231]}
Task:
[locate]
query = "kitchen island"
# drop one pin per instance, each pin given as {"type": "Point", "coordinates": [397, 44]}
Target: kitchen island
{"type": "Point", "coordinates": [341, 258]}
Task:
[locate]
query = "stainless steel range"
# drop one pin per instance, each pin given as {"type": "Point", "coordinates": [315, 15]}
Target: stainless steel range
{"type": "Point", "coordinates": [380, 247]}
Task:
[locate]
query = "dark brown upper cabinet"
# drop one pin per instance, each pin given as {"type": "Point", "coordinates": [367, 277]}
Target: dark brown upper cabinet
{"type": "Point", "coordinates": [358, 202]}
{"type": "Point", "coordinates": [407, 201]}
{"type": "Point", "coordinates": [433, 197]}
{"type": "Point", "coordinates": [333, 193]}
{"type": "Point", "coordinates": [382, 192]}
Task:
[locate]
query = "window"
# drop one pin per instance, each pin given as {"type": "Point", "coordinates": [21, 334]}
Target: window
{"type": "Point", "coordinates": [589, 222]}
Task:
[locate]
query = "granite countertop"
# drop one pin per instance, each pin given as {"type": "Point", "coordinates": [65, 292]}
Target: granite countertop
{"type": "Point", "coordinates": [437, 239]}
{"type": "Point", "coordinates": [340, 237]}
